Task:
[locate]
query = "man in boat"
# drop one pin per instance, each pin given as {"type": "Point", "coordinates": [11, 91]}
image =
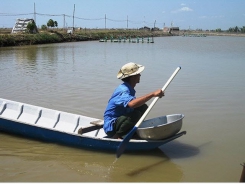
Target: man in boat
{"type": "Point", "coordinates": [123, 109]}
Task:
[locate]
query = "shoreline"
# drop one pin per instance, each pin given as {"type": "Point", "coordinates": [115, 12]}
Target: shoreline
{"type": "Point", "coordinates": [58, 36]}
{"type": "Point", "coordinates": [212, 33]}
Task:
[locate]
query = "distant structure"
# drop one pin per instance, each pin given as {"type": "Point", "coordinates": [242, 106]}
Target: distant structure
{"type": "Point", "coordinates": [166, 29]}
{"type": "Point", "coordinates": [171, 30]}
{"type": "Point", "coordinates": [21, 26]}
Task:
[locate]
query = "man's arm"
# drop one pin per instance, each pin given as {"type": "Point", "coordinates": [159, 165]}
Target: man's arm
{"type": "Point", "coordinates": [137, 102]}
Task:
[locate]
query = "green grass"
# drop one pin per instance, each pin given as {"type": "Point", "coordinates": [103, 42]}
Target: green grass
{"type": "Point", "coordinates": [59, 35]}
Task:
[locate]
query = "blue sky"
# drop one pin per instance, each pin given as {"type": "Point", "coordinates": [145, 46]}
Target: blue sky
{"type": "Point", "coordinates": [193, 14]}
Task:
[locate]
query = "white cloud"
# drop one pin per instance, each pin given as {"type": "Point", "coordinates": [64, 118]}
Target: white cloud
{"type": "Point", "coordinates": [186, 9]}
{"type": "Point", "coordinates": [182, 4]}
{"type": "Point", "coordinates": [183, 9]}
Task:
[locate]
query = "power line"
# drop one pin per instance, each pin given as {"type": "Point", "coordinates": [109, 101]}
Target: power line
{"type": "Point", "coordinates": [7, 14]}
{"type": "Point", "coordinates": [74, 17]}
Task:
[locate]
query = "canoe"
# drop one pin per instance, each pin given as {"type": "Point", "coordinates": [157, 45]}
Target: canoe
{"type": "Point", "coordinates": [65, 128]}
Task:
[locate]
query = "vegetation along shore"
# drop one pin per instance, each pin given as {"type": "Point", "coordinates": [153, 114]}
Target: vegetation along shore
{"type": "Point", "coordinates": [57, 36]}
{"type": "Point", "coordinates": [60, 35]}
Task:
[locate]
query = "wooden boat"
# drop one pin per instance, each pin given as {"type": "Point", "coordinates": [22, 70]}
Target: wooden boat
{"type": "Point", "coordinates": [65, 128]}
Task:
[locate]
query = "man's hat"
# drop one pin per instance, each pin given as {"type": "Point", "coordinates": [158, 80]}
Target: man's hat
{"type": "Point", "coordinates": [130, 69]}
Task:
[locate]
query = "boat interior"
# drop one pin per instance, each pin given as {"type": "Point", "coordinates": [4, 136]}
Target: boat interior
{"type": "Point", "coordinates": [51, 119]}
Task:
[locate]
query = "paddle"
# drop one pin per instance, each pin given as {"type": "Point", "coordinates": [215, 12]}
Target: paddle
{"type": "Point", "coordinates": [123, 144]}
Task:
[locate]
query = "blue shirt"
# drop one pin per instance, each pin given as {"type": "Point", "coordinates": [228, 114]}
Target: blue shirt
{"type": "Point", "coordinates": [118, 105]}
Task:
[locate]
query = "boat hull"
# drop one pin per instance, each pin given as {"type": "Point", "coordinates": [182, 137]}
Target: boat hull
{"type": "Point", "coordinates": [64, 128]}
{"type": "Point", "coordinates": [64, 138]}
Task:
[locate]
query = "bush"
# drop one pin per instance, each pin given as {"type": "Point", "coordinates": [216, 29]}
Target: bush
{"type": "Point", "coordinates": [31, 27]}
{"type": "Point", "coordinates": [44, 27]}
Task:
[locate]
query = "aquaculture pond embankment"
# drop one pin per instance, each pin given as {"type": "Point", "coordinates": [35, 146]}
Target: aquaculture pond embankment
{"type": "Point", "coordinates": [46, 37]}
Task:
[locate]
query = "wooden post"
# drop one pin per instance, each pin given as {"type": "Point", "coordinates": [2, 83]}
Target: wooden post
{"type": "Point", "coordinates": [242, 179]}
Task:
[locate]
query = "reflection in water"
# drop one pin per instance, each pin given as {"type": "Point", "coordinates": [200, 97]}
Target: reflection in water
{"type": "Point", "coordinates": [55, 162]}
{"type": "Point", "coordinates": [180, 150]}
{"type": "Point", "coordinates": [145, 168]}
{"type": "Point", "coordinates": [161, 171]}
{"type": "Point", "coordinates": [26, 54]}
{"type": "Point", "coordinates": [150, 166]}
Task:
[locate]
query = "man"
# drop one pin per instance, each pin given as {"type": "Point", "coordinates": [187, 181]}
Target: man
{"type": "Point", "coordinates": [124, 109]}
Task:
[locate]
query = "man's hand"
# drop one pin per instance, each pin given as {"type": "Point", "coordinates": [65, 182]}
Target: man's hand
{"type": "Point", "coordinates": [158, 93]}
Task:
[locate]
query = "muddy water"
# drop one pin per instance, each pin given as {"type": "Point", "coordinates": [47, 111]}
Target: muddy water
{"type": "Point", "coordinates": [80, 77]}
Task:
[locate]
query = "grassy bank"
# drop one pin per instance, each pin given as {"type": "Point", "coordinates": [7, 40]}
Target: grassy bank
{"type": "Point", "coordinates": [57, 36]}
{"type": "Point", "coordinates": [211, 33]}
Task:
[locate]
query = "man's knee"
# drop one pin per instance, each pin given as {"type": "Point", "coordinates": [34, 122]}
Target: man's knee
{"type": "Point", "coordinates": [142, 108]}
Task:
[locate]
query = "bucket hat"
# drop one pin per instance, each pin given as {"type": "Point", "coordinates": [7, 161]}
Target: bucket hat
{"type": "Point", "coordinates": [130, 69]}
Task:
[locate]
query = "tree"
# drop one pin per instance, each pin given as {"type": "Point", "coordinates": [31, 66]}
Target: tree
{"type": "Point", "coordinates": [31, 27]}
{"type": "Point", "coordinates": [50, 23]}
{"type": "Point", "coordinates": [55, 24]}
{"type": "Point", "coordinates": [231, 29]}
{"type": "Point", "coordinates": [236, 29]}
{"type": "Point", "coordinates": [218, 30]}
{"type": "Point", "coordinates": [243, 29]}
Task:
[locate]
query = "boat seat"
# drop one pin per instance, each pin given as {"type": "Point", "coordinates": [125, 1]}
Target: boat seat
{"type": "Point", "coordinates": [12, 110]}
{"type": "Point", "coordinates": [89, 127]}
{"type": "Point", "coordinates": [48, 118]}
{"type": "Point", "coordinates": [67, 123]}
{"type": "Point", "coordinates": [30, 114]}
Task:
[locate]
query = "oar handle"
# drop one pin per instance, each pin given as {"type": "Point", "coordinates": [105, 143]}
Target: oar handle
{"type": "Point", "coordinates": [156, 98]}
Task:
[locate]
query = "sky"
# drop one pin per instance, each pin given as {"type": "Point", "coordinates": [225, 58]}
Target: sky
{"type": "Point", "coordinates": [185, 14]}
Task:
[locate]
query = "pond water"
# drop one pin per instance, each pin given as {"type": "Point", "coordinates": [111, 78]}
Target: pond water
{"type": "Point", "coordinates": [79, 77]}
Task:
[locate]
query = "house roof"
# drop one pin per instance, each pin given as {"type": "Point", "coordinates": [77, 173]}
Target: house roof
{"type": "Point", "coordinates": [21, 25]}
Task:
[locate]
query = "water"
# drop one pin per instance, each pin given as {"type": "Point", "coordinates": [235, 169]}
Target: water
{"type": "Point", "coordinates": [79, 78]}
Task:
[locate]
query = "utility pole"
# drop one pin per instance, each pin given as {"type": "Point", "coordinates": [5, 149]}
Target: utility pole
{"type": "Point", "coordinates": [127, 22]}
{"type": "Point", "coordinates": [73, 17]}
{"type": "Point", "coordinates": [35, 14]}
{"type": "Point", "coordinates": [105, 21]}
{"type": "Point", "coordinates": [64, 21]}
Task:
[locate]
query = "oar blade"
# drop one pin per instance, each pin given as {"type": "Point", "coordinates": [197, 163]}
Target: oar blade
{"type": "Point", "coordinates": [123, 144]}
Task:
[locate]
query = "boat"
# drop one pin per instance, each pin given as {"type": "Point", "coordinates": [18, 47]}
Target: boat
{"type": "Point", "coordinates": [66, 128]}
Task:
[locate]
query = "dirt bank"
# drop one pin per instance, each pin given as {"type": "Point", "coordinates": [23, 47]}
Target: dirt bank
{"type": "Point", "coordinates": [8, 39]}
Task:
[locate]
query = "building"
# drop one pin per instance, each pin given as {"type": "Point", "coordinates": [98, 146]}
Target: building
{"type": "Point", "coordinates": [21, 26]}
{"type": "Point", "coordinates": [171, 30]}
